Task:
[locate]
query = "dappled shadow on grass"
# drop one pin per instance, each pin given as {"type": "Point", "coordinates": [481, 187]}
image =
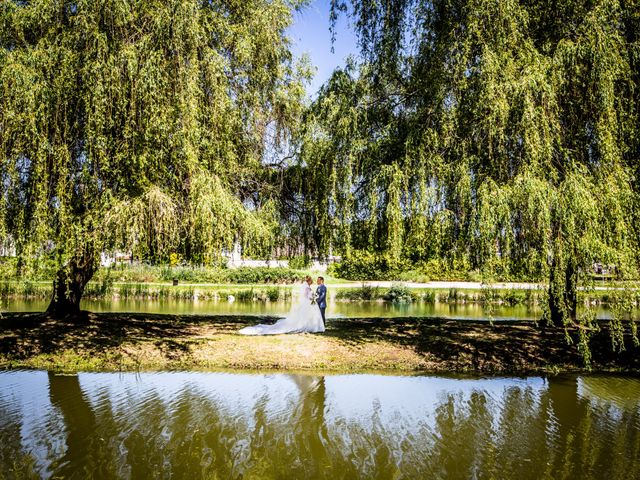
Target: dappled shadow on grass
{"type": "Point", "coordinates": [23, 335]}
{"type": "Point", "coordinates": [502, 346]}
{"type": "Point", "coordinates": [445, 345]}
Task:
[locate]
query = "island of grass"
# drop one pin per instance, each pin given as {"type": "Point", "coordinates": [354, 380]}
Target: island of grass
{"type": "Point", "coordinates": [130, 342]}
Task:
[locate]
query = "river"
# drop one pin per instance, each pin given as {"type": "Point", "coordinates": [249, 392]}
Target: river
{"type": "Point", "coordinates": [279, 426]}
{"type": "Point", "coordinates": [336, 309]}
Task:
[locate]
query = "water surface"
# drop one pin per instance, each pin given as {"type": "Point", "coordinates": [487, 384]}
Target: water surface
{"type": "Point", "coordinates": [336, 309]}
{"type": "Point", "coordinates": [280, 426]}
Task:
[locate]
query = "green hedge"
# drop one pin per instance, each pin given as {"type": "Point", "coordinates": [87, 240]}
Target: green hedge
{"type": "Point", "coordinates": [262, 275]}
{"type": "Point", "coordinates": [136, 273]}
{"type": "Point", "coordinates": [302, 262]}
{"type": "Point", "coordinates": [362, 265]}
{"type": "Point", "coordinates": [186, 274]}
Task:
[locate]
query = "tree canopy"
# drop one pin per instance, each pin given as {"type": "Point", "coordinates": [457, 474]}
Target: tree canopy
{"type": "Point", "coordinates": [141, 125]}
{"type": "Point", "coordinates": [492, 135]}
{"type": "Point", "coordinates": [495, 135]}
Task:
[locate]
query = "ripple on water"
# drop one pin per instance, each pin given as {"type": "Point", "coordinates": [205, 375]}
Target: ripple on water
{"type": "Point", "coordinates": [342, 426]}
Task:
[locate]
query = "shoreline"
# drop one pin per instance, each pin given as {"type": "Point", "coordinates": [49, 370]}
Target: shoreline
{"type": "Point", "coordinates": [345, 284]}
{"type": "Point", "coordinates": [388, 292]}
{"type": "Point", "coordinates": [136, 342]}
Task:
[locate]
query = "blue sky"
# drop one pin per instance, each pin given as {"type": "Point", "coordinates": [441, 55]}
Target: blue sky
{"type": "Point", "coordinates": [310, 34]}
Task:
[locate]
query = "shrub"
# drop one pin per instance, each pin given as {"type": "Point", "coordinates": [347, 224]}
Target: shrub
{"type": "Point", "coordinates": [191, 274]}
{"type": "Point", "coordinates": [533, 296]}
{"type": "Point", "coordinates": [262, 275]}
{"type": "Point", "coordinates": [453, 295]}
{"type": "Point", "coordinates": [398, 293]}
{"type": "Point", "coordinates": [100, 289]}
{"type": "Point", "coordinates": [128, 290]}
{"type": "Point", "coordinates": [414, 276]}
{"type": "Point", "coordinates": [125, 290]}
{"type": "Point", "coordinates": [273, 294]}
{"type": "Point", "coordinates": [301, 262]}
{"type": "Point", "coordinates": [128, 273]}
{"type": "Point", "coordinates": [174, 259]}
{"type": "Point", "coordinates": [363, 265]}
{"type": "Point", "coordinates": [28, 289]}
{"type": "Point", "coordinates": [434, 269]}
{"type": "Point", "coordinates": [429, 297]}
{"type": "Point", "coordinates": [244, 295]}
{"type": "Point", "coordinates": [473, 276]}
{"type": "Point", "coordinates": [186, 294]}
{"type": "Point", "coordinates": [514, 297]}
{"type": "Point", "coordinates": [366, 292]}
{"type": "Point", "coordinates": [8, 267]}
{"type": "Point", "coordinates": [6, 289]}
{"type": "Point", "coordinates": [489, 295]}
{"type": "Point", "coordinates": [25, 289]}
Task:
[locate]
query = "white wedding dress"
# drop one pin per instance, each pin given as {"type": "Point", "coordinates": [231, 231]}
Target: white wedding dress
{"type": "Point", "coordinates": [303, 317]}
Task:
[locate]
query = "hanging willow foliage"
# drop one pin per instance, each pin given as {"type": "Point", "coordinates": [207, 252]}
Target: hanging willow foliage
{"type": "Point", "coordinates": [141, 125]}
{"type": "Point", "coordinates": [498, 135]}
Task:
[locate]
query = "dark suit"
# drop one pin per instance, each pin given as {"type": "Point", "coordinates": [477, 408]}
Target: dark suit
{"type": "Point", "coordinates": [321, 300]}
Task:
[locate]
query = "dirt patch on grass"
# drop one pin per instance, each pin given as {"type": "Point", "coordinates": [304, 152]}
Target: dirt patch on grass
{"type": "Point", "coordinates": [116, 341]}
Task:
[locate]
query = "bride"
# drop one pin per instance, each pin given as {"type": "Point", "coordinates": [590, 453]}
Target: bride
{"type": "Point", "coordinates": [303, 317]}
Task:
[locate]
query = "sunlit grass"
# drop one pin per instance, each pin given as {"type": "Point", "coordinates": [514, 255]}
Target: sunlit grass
{"type": "Point", "coordinates": [130, 342]}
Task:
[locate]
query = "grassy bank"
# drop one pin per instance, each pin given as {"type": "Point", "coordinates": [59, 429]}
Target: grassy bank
{"type": "Point", "coordinates": [401, 293]}
{"type": "Point", "coordinates": [115, 342]}
{"type": "Point", "coordinates": [145, 291]}
{"type": "Point", "coordinates": [397, 293]}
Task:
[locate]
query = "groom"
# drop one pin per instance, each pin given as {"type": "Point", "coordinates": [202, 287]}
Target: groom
{"type": "Point", "coordinates": [321, 297]}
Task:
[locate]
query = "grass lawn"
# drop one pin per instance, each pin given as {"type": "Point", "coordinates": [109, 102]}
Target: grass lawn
{"type": "Point", "coordinates": [116, 341]}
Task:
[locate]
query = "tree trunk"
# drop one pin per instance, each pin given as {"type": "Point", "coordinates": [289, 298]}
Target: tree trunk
{"type": "Point", "coordinates": [566, 297]}
{"type": "Point", "coordinates": [68, 286]}
{"type": "Point", "coordinates": [571, 291]}
{"type": "Point", "coordinates": [555, 308]}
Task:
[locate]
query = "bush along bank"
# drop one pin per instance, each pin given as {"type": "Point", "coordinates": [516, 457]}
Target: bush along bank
{"type": "Point", "coordinates": [400, 293]}
{"type": "Point", "coordinates": [141, 291]}
{"type": "Point", "coordinates": [253, 294]}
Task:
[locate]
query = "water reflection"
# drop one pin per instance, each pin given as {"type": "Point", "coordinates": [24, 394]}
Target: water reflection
{"type": "Point", "coordinates": [217, 425]}
{"type": "Point", "coordinates": [336, 309]}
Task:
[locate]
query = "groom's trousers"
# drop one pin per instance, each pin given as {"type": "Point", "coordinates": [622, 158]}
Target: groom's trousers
{"type": "Point", "coordinates": [322, 313]}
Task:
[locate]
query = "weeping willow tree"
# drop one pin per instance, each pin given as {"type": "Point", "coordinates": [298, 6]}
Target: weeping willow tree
{"type": "Point", "coordinates": [140, 125]}
{"type": "Point", "coordinates": [497, 135]}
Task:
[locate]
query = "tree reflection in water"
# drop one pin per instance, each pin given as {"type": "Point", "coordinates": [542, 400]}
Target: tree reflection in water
{"type": "Point", "coordinates": [299, 426]}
